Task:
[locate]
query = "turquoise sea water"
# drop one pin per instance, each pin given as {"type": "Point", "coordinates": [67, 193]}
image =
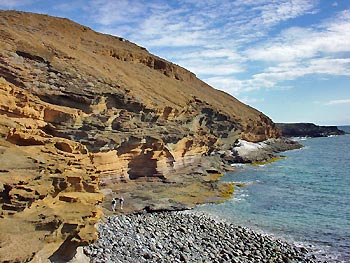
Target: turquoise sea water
{"type": "Point", "coordinates": [304, 198]}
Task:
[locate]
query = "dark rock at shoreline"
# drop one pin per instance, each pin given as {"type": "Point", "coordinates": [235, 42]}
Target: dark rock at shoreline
{"type": "Point", "coordinates": [186, 237]}
{"type": "Point", "coordinates": [308, 130]}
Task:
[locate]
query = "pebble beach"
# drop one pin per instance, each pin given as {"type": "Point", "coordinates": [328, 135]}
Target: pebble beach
{"type": "Point", "coordinates": [184, 236]}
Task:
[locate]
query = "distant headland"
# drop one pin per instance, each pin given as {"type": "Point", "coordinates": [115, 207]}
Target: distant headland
{"type": "Point", "coordinates": [308, 130]}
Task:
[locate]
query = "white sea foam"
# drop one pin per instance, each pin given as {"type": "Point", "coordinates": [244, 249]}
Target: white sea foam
{"type": "Point", "coordinates": [238, 164]}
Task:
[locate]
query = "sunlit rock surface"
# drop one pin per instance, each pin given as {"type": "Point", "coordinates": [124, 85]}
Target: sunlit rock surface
{"type": "Point", "coordinates": [85, 117]}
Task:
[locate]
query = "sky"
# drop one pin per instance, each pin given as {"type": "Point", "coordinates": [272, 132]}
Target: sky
{"type": "Point", "coordinates": [290, 59]}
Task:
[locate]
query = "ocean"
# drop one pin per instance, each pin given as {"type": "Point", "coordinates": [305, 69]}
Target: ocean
{"type": "Point", "coordinates": [304, 198]}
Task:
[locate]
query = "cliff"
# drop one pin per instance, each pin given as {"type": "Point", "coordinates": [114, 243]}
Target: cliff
{"type": "Point", "coordinates": [85, 116]}
{"type": "Point", "coordinates": [307, 130]}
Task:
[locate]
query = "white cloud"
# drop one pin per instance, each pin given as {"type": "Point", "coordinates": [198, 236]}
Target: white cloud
{"type": "Point", "coordinates": [258, 17]}
{"type": "Point", "coordinates": [212, 68]}
{"type": "Point", "coordinates": [337, 102]}
{"type": "Point", "coordinates": [301, 43]}
{"type": "Point", "coordinates": [277, 11]}
{"type": "Point", "coordinates": [211, 62]}
{"type": "Point", "coordinates": [251, 101]}
{"type": "Point", "coordinates": [182, 39]}
{"type": "Point", "coordinates": [119, 12]}
{"type": "Point", "coordinates": [231, 85]}
{"type": "Point", "coordinates": [323, 50]}
{"type": "Point", "coordinates": [273, 76]}
{"type": "Point", "coordinates": [216, 53]}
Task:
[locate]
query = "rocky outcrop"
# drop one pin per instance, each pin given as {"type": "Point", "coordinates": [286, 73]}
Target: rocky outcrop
{"type": "Point", "coordinates": [307, 130]}
{"type": "Point", "coordinates": [84, 116]}
{"type": "Point", "coordinates": [48, 185]}
{"type": "Point", "coordinates": [259, 153]}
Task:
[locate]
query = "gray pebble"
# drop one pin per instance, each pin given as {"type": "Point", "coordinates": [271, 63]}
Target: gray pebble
{"type": "Point", "coordinates": [185, 237]}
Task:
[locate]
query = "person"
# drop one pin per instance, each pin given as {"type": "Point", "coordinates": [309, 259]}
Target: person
{"type": "Point", "coordinates": [114, 204]}
{"type": "Point", "coordinates": [121, 202]}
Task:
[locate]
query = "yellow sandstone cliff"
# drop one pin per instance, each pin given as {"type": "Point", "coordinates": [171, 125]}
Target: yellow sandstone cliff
{"type": "Point", "coordinates": [82, 112]}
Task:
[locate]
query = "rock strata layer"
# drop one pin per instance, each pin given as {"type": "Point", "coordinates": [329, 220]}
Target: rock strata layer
{"type": "Point", "coordinates": [186, 237]}
{"type": "Point", "coordinates": [86, 116]}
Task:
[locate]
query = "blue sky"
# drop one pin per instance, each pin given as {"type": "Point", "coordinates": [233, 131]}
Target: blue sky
{"type": "Point", "coordinates": [289, 59]}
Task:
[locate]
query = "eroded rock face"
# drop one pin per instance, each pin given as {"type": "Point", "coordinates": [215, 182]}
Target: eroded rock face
{"type": "Point", "coordinates": [48, 185]}
{"type": "Point", "coordinates": [82, 112]}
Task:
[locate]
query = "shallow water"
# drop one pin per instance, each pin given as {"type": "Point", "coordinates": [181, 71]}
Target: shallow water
{"type": "Point", "coordinates": [304, 198]}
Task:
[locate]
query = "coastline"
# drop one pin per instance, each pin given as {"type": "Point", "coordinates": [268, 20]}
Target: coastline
{"type": "Point", "coordinates": [142, 209]}
{"type": "Point", "coordinates": [171, 235]}
{"type": "Point", "coordinates": [186, 237]}
{"type": "Point", "coordinates": [88, 117]}
{"type": "Point", "coordinates": [294, 199]}
{"type": "Point", "coordinates": [196, 183]}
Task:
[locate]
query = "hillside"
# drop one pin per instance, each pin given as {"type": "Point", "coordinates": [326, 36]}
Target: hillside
{"type": "Point", "coordinates": [86, 116]}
